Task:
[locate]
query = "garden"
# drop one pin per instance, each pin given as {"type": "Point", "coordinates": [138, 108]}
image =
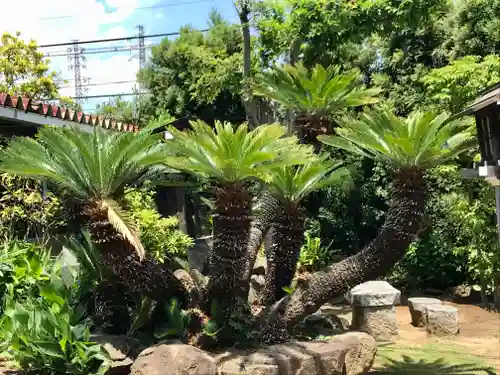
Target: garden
{"type": "Point", "coordinates": [326, 191]}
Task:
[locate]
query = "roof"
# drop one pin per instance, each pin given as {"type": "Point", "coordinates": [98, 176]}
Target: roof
{"type": "Point", "coordinates": [64, 114]}
{"type": "Point", "coordinates": [485, 98]}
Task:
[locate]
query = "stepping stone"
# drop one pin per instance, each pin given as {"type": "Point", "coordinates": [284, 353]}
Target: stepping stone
{"type": "Point", "coordinates": [418, 309]}
{"type": "Point", "coordinates": [442, 320]}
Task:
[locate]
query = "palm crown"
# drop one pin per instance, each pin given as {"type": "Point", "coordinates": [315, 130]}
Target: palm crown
{"type": "Point", "coordinates": [319, 92]}
{"type": "Point", "coordinates": [422, 140]}
{"type": "Point", "coordinates": [92, 167]}
{"type": "Point", "coordinates": [293, 183]}
{"type": "Point", "coordinates": [230, 155]}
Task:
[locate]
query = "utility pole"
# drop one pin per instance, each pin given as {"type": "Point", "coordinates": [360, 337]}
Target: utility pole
{"type": "Point", "coordinates": [76, 62]}
{"type": "Point", "coordinates": [142, 47]}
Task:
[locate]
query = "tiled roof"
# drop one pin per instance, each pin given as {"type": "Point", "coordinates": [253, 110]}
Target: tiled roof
{"type": "Point", "coordinates": [48, 110]}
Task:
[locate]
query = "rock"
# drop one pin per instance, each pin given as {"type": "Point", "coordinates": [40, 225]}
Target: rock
{"type": "Point", "coordinates": [322, 324]}
{"type": "Point", "coordinates": [121, 349]}
{"type": "Point", "coordinates": [418, 309]}
{"type": "Point", "coordinates": [185, 278]}
{"type": "Point", "coordinates": [442, 320]}
{"type": "Point", "coordinates": [351, 354]}
{"type": "Point", "coordinates": [374, 293]}
{"type": "Point", "coordinates": [178, 359]}
{"type": "Point", "coordinates": [260, 266]}
{"type": "Point", "coordinates": [198, 254]}
{"type": "Point", "coordinates": [256, 284]}
{"type": "Point", "coordinates": [465, 293]}
{"type": "Point", "coordinates": [373, 309]}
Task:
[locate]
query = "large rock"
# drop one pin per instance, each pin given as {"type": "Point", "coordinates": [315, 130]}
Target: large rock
{"type": "Point", "coordinates": [350, 354]}
{"type": "Point", "coordinates": [121, 349]}
{"type": "Point", "coordinates": [178, 359]}
{"type": "Point", "coordinates": [418, 309]}
{"type": "Point", "coordinates": [256, 284]}
{"type": "Point", "coordinates": [373, 309]}
{"type": "Point", "coordinates": [442, 320]}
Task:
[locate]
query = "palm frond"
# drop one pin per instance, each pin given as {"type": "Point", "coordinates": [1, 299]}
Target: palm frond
{"type": "Point", "coordinates": [231, 154]}
{"type": "Point", "coordinates": [82, 248]}
{"type": "Point", "coordinates": [122, 222]}
{"type": "Point", "coordinates": [319, 91]}
{"type": "Point", "coordinates": [423, 139]}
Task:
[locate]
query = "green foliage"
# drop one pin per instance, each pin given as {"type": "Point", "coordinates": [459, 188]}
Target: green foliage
{"type": "Point", "coordinates": [46, 336]}
{"type": "Point", "coordinates": [117, 109]}
{"type": "Point", "coordinates": [422, 140]}
{"type": "Point", "coordinates": [24, 212]}
{"type": "Point", "coordinates": [319, 91]}
{"type": "Point", "coordinates": [313, 255]}
{"type": "Point", "coordinates": [177, 321]}
{"type": "Point", "coordinates": [161, 237]}
{"type": "Point", "coordinates": [232, 155]}
{"type": "Point", "coordinates": [23, 69]}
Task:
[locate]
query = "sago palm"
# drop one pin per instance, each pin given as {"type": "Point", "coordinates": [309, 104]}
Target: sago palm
{"type": "Point", "coordinates": [291, 185]}
{"type": "Point", "coordinates": [410, 145]}
{"type": "Point", "coordinates": [316, 95]}
{"type": "Point", "coordinates": [93, 169]}
{"type": "Point", "coordinates": [231, 157]}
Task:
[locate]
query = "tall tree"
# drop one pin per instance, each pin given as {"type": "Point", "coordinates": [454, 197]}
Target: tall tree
{"type": "Point", "coordinates": [409, 146]}
{"type": "Point", "coordinates": [23, 69]}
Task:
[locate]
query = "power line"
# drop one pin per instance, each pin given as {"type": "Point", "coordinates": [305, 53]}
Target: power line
{"type": "Point", "coordinates": [130, 38]}
{"type": "Point", "coordinates": [100, 84]}
{"type": "Point", "coordinates": [109, 95]}
{"type": "Point", "coordinates": [134, 9]}
{"type": "Point", "coordinates": [96, 51]}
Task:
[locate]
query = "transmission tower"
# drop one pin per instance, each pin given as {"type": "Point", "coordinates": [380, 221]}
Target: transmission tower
{"type": "Point", "coordinates": [76, 61]}
{"type": "Point", "coordinates": [142, 47]}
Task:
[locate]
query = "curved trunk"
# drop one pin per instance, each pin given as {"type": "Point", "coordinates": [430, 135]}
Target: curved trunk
{"type": "Point", "coordinates": [231, 226]}
{"type": "Point", "coordinates": [146, 276]}
{"type": "Point", "coordinates": [287, 238]}
{"type": "Point", "coordinates": [403, 223]}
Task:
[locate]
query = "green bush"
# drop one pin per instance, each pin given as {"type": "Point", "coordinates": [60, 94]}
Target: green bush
{"type": "Point", "coordinates": [46, 336]}
{"type": "Point", "coordinates": [161, 237]}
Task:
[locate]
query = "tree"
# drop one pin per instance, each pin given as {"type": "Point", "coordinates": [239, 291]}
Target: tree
{"type": "Point", "coordinates": [198, 73]}
{"type": "Point", "coordinates": [91, 170]}
{"type": "Point", "coordinates": [291, 185]}
{"type": "Point", "coordinates": [231, 159]}
{"type": "Point", "coordinates": [117, 109]}
{"type": "Point", "coordinates": [408, 145]}
{"type": "Point", "coordinates": [317, 95]}
{"type": "Point", "coordinates": [24, 71]}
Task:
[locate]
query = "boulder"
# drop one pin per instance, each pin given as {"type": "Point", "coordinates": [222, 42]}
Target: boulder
{"type": "Point", "coordinates": [260, 265]}
{"type": "Point", "coordinates": [198, 254]}
{"type": "Point", "coordinates": [350, 354]}
{"type": "Point", "coordinates": [178, 359]}
{"type": "Point", "coordinates": [373, 309]}
{"type": "Point", "coordinates": [418, 309]}
{"type": "Point", "coordinates": [121, 349]}
{"type": "Point", "coordinates": [442, 320]}
{"type": "Point", "coordinates": [256, 284]}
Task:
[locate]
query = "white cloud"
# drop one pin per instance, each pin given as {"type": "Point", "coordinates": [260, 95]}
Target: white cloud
{"type": "Point", "coordinates": [54, 21]}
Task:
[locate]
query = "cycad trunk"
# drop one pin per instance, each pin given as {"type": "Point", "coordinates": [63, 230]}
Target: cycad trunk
{"type": "Point", "coordinates": [403, 223]}
{"type": "Point", "coordinates": [309, 127]}
{"type": "Point", "coordinates": [145, 276]}
{"type": "Point", "coordinates": [231, 227]}
{"type": "Point", "coordinates": [287, 238]}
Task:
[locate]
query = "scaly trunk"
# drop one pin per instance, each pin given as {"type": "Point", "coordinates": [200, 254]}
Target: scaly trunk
{"type": "Point", "coordinates": [146, 276]}
{"type": "Point", "coordinates": [403, 223]}
{"type": "Point", "coordinates": [287, 238]}
{"type": "Point", "coordinates": [231, 226]}
{"type": "Point", "coordinates": [309, 127]}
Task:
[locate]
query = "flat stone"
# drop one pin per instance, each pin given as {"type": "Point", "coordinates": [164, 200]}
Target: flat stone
{"type": "Point", "coordinates": [361, 349]}
{"type": "Point", "coordinates": [442, 320]}
{"type": "Point", "coordinates": [378, 321]}
{"type": "Point", "coordinates": [121, 349]}
{"type": "Point", "coordinates": [418, 309]}
{"type": "Point", "coordinates": [374, 293]}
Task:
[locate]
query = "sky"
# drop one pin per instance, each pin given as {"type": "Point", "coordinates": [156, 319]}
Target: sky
{"type": "Point", "coordinates": [60, 21]}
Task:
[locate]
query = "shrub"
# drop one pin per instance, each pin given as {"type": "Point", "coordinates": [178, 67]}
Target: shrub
{"type": "Point", "coordinates": [46, 336]}
{"type": "Point", "coordinates": [161, 237]}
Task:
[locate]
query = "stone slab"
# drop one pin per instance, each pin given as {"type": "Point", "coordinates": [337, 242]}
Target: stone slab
{"type": "Point", "coordinates": [442, 320]}
{"type": "Point", "coordinates": [418, 309]}
{"type": "Point", "coordinates": [374, 293]}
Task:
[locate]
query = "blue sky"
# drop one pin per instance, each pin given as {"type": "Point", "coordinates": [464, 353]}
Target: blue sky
{"type": "Point", "coordinates": [53, 21]}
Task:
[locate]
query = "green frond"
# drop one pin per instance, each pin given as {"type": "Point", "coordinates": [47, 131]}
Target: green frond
{"type": "Point", "coordinates": [96, 164]}
{"type": "Point", "coordinates": [320, 91]}
{"type": "Point", "coordinates": [231, 154]}
{"type": "Point", "coordinates": [294, 183]}
{"type": "Point", "coordinates": [123, 224]}
{"type": "Point", "coordinates": [423, 139]}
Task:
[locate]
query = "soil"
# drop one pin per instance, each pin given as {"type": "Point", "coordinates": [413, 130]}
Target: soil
{"type": "Point", "coordinates": [479, 333]}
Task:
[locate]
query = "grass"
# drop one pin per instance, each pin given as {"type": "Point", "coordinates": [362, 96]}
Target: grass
{"type": "Point", "coordinates": [432, 359]}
